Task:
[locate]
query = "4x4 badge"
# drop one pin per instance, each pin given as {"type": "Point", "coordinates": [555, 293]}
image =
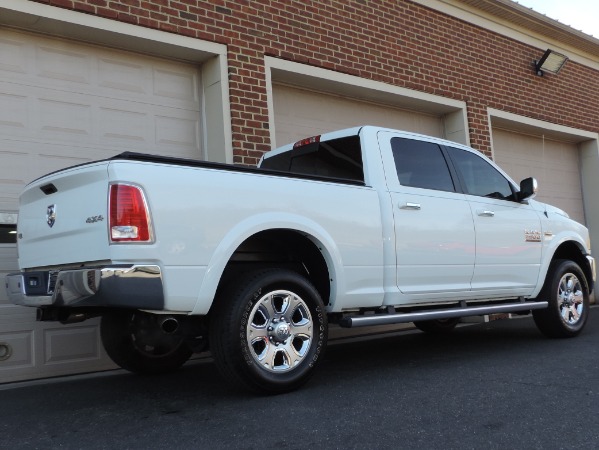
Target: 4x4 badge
{"type": "Point", "coordinates": [51, 215]}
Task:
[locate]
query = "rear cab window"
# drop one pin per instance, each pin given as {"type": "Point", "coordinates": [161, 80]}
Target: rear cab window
{"type": "Point", "coordinates": [338, 158]}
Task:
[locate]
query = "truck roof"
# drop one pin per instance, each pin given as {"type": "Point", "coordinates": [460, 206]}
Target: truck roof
{"type": "Point", "coordinates": [354, 131]}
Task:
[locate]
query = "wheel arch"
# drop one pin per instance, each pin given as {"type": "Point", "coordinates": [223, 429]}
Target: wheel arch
{"type": "Point", "coordinates": [572, 250]}
{"type": "Point", "coordinates": [265, 242]}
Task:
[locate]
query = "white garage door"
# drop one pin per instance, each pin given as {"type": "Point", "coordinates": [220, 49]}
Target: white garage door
{"type": "Point", "coordinates": [555, 164]}
{"type": "Point", "coordinates": [64, 103]}
{"type": "Point", "coordinates": [301, 113]}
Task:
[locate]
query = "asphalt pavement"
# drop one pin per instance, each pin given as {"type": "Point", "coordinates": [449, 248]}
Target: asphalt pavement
{"type": "Point", "coordinates": [500, 385]}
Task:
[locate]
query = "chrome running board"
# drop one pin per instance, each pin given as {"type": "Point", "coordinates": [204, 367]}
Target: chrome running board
{"type": "Point", "coordinates": [436, 314]}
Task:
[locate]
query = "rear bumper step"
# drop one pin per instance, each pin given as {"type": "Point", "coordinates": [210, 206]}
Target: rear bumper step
{"type": "Point", "coordinates": [136, 286]}
{"type": "Point", "coordinates": [388, 319]}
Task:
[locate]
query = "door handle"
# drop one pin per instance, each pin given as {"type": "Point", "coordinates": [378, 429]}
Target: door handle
{"type": "Point", "coordinates": [410, 205]}
{"type": "Point", "coordinates": [486, 213]}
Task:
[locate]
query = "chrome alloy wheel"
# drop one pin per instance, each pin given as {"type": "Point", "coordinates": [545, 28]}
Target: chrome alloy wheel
{"type": "Point", "coordinates": [279, 331]}
{"type": "Point", "coordinates": [570, 298]}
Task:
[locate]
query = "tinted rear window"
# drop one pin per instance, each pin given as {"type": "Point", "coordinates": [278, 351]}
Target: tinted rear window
{"type": "Point", "coordinates": [338, 158]}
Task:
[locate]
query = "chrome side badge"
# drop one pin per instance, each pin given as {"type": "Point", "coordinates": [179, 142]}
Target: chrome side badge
{"type": "Point", "coordinates": [51, 215]}
{"type": "Point", "coordinates": [532, 236]}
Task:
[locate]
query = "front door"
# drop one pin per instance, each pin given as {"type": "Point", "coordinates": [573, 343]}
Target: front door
{"type": "Point", "coordinates": [508, 233]}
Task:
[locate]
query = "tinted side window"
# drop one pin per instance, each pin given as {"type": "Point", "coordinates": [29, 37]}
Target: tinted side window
{"type": "Point", "coordinates": [337, 158]}
{"type": "Point", "coordinates": [480, 178]}
{"type": "Point", "coordinates": [421, 164]}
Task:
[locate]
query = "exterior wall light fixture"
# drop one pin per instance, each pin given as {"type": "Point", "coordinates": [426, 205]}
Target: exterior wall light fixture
{"type": "Point", "coordinates": [551, 62]}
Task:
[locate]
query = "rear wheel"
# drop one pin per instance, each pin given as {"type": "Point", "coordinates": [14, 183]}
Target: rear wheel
{"type": "Point", "coordinates": [268, 331]}
{"type": "Point", "coordinates": [567, 292]}
{"type": "Point", "coordinates": [439, 326]}
{"type": "Point", "coordinates": [135, 341]}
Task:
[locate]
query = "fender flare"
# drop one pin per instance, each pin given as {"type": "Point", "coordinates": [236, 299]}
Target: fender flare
{"type": "Point", "coordinates": [551, 250]}
{"type": "Point", "coordinates": [256, 224]}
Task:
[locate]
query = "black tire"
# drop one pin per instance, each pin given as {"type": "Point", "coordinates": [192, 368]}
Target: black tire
{"type": "Point", "coordinates": [135, 342]}
{"type": "Point", "coordinates": [440, 326]}
{"type": "Point", "coordinates": [268, 331]}
{"type": "Point", "coordinates": [567, 292]}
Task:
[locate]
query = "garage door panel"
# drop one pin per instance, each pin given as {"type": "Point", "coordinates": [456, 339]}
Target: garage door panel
{"type": "Point", "coordinates": [17, 348]}
{"type": "Point", "coordinates": [300, 113]}
{"type": "Point", "coordinates": [11, 314]}
{"type": "Point", "coordinates": [124, 77]}
{"type": "Point", "coordinates": [172, 131]}
{"type": "Point", "coordinates": [13, 56]}
{"type": "Point", "coordinates": [58, 119]}
{"type": "Point", "coordinates": [45, 349]}
{"type": "Point", "coordinates": [177, 85]}
{"type": "Point", "coordinates": [11, 189]}
{"type": "Point", "coordinates": [46, 134]}
{"type": "Point", "coordinates": [555, 164]}
{"type": "Point", "coordinates": [13, 114]}
{"type": "Point", "coordinates": [8, 263]}
{"type": "Point", "coordinates": [124, 127]}
{"type": "Point", "coordinates": [16, 335]}
{"type": "Point", "coordinates": [71, 67]}
{"type": "Point", "coordinates": [60, 64]}
{"type": "Point", "coordinates": [45, 118]}
{"type": "Point", "coordinates": [72, 344]}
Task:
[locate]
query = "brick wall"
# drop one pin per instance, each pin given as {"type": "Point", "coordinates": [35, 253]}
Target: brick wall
{"type": "Point", "coordinates": [396, 42]}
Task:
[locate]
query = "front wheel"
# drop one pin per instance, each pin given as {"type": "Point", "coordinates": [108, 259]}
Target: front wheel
{"type": "Point", "coordinates": [567, 292]}
{"type": "Point", "coordinates": [268, 331]}
{"type": "Point", "coordinates": [135, 342]}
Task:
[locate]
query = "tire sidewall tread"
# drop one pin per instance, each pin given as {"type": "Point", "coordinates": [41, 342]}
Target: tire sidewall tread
{"type": "Point", "coordinates": [228, 326]}
{"type": "Point", "coordinates": [549, 320]}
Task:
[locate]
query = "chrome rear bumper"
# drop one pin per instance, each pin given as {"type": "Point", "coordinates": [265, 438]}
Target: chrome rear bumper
{"type": "Point", "coordinates": [136, 286]}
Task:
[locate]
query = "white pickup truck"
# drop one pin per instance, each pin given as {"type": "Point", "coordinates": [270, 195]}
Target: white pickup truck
{"type": "Point", "coordinates": [358, 227]}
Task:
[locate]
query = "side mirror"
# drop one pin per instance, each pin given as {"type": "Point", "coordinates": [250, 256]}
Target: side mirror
{"type": "Point", "coordinates": [528, 189]}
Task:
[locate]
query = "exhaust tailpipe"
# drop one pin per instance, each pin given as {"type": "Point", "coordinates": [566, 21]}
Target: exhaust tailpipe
{"type": "Point", "coordinates": [74, 318]}
{"type": "Point", "coordinates": [169, 324]}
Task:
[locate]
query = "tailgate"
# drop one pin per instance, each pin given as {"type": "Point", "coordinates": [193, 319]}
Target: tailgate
{"type": "Point", "coordinates": [63, 218]}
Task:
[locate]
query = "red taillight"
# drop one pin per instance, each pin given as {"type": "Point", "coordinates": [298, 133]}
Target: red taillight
{"type": "Point", "coordinates": [310, 140]}
{"type": "Point", "coordinates": [129, 218]}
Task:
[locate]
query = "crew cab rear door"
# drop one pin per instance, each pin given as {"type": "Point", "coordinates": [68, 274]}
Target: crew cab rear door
{"type": "Point", "coordinates": [434, 229]}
